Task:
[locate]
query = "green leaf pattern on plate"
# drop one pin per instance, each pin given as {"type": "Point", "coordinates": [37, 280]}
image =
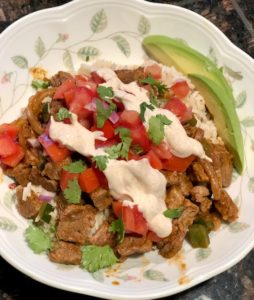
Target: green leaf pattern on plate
{"type": "Point", "coordinates": [9, 198]}
{"type": "Point", "coordinates": [155, 275]}
{"type": "Point", "coordinates": [144, 25]}
{"type": "Point", "coordinates": [251, 185]}
{"type": "Point", "coordinates": [248, 121]}
{"type": "Point", "coordinates": [234, 74]}
{"type": "Point", "coordinates": [20, 61]}
{"type": "Point", "coordinates": [122, 44]}
{"type": "Point", "coordinates": [237, 227]}
{"type": "Point", "coordinates": [240, 99]}
{"type": "Point", "coordinates": [202, 254]}
{"type": "Point", "coordinates": [39, 47]}
{"type": "Point", "coordinates": [7, 224]}
{"type": "Point", "coordinates": [67, 60]}
{"type": "Point", "coordinates": [99, 21]}
{"type": "Point", "coordinates": [86, 53]}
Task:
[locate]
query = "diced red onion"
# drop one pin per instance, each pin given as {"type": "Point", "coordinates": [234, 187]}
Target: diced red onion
{"type": "Point", "coordinates": [91, 105]}
{"type": "Point", "coordinates": [46, 198]}
{"type": "Point", "coordinates": [114, 117]}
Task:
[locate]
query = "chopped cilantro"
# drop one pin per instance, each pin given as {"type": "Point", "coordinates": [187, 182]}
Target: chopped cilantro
{"type": "Point", "coordinates": [37, 239]}
{"type": "Point", "coordinates": [155, 83]}
{"type": "Point", "coordinates": [105, 93]}
{"type": "Point", "coordinates": [153, 99]}
{"type": "Point", "coordinates": [95, 258]}
{"type": "Point", "coordinates": [75, 167]}
{"type": "Point", "coordinates": [156, 128]}
{"type": "Point", "coordinates": [173, 213]}
{"type": "Point", "coordinates": [103, 113]}
{"type": "Point", "coordinates": [39, 84]}
{"type": "Point", "coordinates": [137, 149]}
{"type": "Point", "coordinates": [101, 161]}
{"type": "Point", "coordinates": [143, 107]}
{"type": "Point", "coordinates": [62, 114]}
{"type": "Point", "coordinates": [73, 192]}
{"type": "Point", "coordinates": [117, 226]}
{"type": "Point", "coordinates": [121, 149]}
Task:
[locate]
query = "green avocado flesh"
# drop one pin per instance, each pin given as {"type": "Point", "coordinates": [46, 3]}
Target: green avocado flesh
{"type": "Point", "coordinates": [209, 81]}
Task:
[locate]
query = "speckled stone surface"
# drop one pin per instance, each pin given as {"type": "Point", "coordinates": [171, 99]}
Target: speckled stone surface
{"type": "Point", "coordinates": [235, 284]}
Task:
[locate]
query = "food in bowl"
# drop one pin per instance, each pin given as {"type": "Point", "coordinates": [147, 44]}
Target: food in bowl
{"type": "Point", "coordinates": [112, 162]}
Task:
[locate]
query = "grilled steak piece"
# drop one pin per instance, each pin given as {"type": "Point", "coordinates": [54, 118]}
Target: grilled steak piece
{"type": "Point", "coordinates": [215, 182]}
{"type": "Point", "coordinates": [36, 179]}
{"type": "Point", "coordinates": [102, 236]}
{"type": "Point", "coordinates": [65, 253]}
{"type": "Point", "coordinates": [59, 78]}
{"type": "Point", "coordinates": [30, 207]}
{"type": "Point", "coordinates": [101, 198]}
{"type": "Point", "coordinates": [133, 245]}
{"type": "Point", "coordinates": [199, 195]}
{"type": "Point", "coordinates": [127, 76]}
{"type": "Point", "coordinates": [20, 173]}
{"type": "Point", "coordinates": [75, 223]}
{"type": "Point", "coordinates": [174, 197]}
{"type": "Point", "coordinates": [198, 173]}
{"type": "Point", "coordinates": [226, 207]}
{"type": "Point", "coordinates": [194, 132]}
{"type": "Point", "coordinates": [222, 162]}
{"type": "Point", "coordinates": [178, 178]}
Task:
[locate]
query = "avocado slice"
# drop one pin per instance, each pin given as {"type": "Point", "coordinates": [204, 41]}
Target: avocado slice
{"type": "Point", "coordinates": [185, 59]}
{"type": "Point", "coordinates": [211, 83]}
{"type": "Point", "coordinates": [225, 117]}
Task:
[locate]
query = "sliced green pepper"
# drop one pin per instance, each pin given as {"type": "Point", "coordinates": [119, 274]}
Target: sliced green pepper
{"type": "Point", "coordinates": [198, 236]}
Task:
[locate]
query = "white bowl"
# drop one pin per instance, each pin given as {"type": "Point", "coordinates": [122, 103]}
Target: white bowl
{"type": "Point", "coordinates": [58, 39]}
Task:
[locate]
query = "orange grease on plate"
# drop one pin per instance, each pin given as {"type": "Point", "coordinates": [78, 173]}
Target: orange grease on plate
{"type": "Point", "coordinates": [178, 259]}
{"type": "Point", "coordinates": [115, 282]}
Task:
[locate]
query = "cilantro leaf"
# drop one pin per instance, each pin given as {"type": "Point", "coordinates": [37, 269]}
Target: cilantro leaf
{"type": "Point", "coordinates": [103, 113]}
{"type": "Point", "coordinates": [155, 83]}
{"type": "Point", "coordinates": [117, 226]}
{"type": "Point", "coordinates": [137, 149]}
{"type": "Point", "coordinates": [143, 107]}
{"type": "Point", "coordinates": [173, 213]}
{"type": "Point", "coordinates": [62, 114]}
{"type": "Point", "coordinates": [39, 84]}
{"type": "Point", "coordinates": [95, 258]}
{"type": "Point", "coordinates": [101, 161]}
{"type": "Point", "coordinates": [120, 149]}
{"type": "Point", "coordinates": [105, 93]}
{"type": "Point", "coordinates": [37, 239]}
{"type": "Point", "coordinates": [75, 167]}
{"type": "Point", "coordinates": [73, 192]}
{"type": "Point", "coordinates": [156, 128]}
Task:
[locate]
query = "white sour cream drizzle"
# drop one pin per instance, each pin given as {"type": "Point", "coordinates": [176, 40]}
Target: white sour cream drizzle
{"type": "Point", "coordinates": [133, 182]}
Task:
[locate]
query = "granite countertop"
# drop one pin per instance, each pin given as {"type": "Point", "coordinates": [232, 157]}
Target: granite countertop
{"type": "Point", "coordinates": [235, 18]}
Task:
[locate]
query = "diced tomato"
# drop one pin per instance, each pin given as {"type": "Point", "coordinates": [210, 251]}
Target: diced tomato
{"type": "Point", "coordinates": [66, 177]}
{"type": "Point", "coordinates": [177, 107]}
{"type": "Point", "coordinates": [133, 156]}
{"type": "Point", "coordinates": [133, 219]}
{"type": "Point", "coordinates": [69, 96]}
{"type": "Point", "coordinates": [130, 119]}
{"type": "Point", "coordinates": [85, 122]}
{"type": "Point", "coordinates": [140, 137]}
{"type": "Point", "coordinates": [105, 144]}
{"type": "Point", "coordinates": [162, 150]}
{"type": "Point", "coordinates": [96, 78]}
{"type": "Point", "coordinates": [108, 129]}
{"type": "Point", "coordinates": [88, 180]}
{"type": "Point", "coordinates": [102, 178]}
{"type": "Point", "coordinates": [11, 130]}
{"type": "Point", "coordinates": [119, 105]}
{"type": "Point", "coordinates": [64, 87]}
{"type": "Point", "coordinates": [15, 158]}
{"type": "Point", "coordinates": [154, 160]}
{"type": "Point", "coordinates": [81, 97]}
{"type": "Point", "coordinates": [178, 164]}
{"type": "Point", "coordinates": [180, 89]}
{"type": "Point", "coordinates": [7, 146]}
{"type": "Point", "coordinates": [152, 236]}
{"type": "Point", "coordinates": [154, 70]}
{"type": "Point", "coordinates": [53, 149]}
